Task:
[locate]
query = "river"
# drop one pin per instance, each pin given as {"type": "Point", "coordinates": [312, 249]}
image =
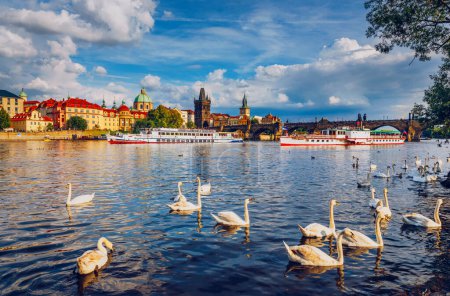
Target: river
{"type": "Point", "coordinates": [162, 253]}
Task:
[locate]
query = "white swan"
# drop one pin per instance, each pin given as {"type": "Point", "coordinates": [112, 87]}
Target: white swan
{"type": "Point", "coordinates": [420, 220]}
{"type": "Point", "coordinates": [94, 260]}
{"type": "Point", "coordinates": [205, 189]}
{"type": "Point", "coordinates": [424, 176]}
{"type": "Point", "coordinates": [383, 175]}
{"type": "Point", "coordinates": [384, 211]}
{"type": "Point", "coordinates": [405, 166]}
{"type": "Point", "coordinates": [394, 174]}
{"type": "Point", "coordinates": [373, 167]}
{"type": "Point", "coordinates": [180, 196]}
{"type": "Point", "coordinates": [183, 205]}
{"type": "Point", "coordinates": [360, 240]}
{"type": "Point", "coordinates": [373, 201]}
{"type": "Point", "coordinates": [79, 199]}
{"type": "Point", "coordinates": [418, 162]}
{"type": "Point", "coordinates": [364, 183]}
{"type": "Point", "coordinates": [318, 230]}
{"type": "Point", "coordinates": [312, 256]}
{"type": "Point", "coordinates": [229, 218]}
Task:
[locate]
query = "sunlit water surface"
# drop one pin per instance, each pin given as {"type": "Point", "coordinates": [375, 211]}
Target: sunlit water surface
{"type": "Point", "coordinates": [162, 253]}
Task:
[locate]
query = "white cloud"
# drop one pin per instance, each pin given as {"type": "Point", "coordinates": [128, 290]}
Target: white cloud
{"type": "Point", "coordinates": [333, 100]}
{"type": "Point", "coordinates": [167, 14]}
{"type": "Point", "coordinates": [116, 88]}
{"type": "Point", "coordinates": [151, 81]}
{"type": "Point", "coordinates": [282, 98]}
{"type": "Point", "coordinates": [14, 45]}
{"type": "Point", "coordinates": [216, 75]}
{"type": "Point", "coordinates": [62, 49]}
{"type": "Point", "coordinates": [100, 70]}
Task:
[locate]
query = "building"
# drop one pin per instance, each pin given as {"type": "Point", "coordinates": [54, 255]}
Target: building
{"type": "Point", "coordinates": [202, 111]}
{"type": "Point", "coordinates": [143, 102]}
{"type": "Point", "coordinates": [188, 117]}
{"type": "Point", "coordinates": [270, 119]}
{"type": "Point", "coordinates": [219, 119]}
{"type": "Point", "coordinates": [31, 121]}
{"type": "Point", "coordinates": [27, 105]}
{"type": "Point", "coordinates": [244, 111]}
{"type": "Point", "coordinates": [12, 103]}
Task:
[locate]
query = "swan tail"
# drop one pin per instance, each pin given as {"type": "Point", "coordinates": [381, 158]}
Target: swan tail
{"type": "Point", "coordinates": [93, 195]}
{"type": "Point", "coordinates": [290, 253]}
{"type": "Point", "coordinates": [215, 218]}
{"type": "Point", "coordinates": [302, 230]}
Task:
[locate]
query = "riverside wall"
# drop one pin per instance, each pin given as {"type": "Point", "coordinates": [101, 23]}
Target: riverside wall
{"type": "Point", "coordinates": [54, 135]}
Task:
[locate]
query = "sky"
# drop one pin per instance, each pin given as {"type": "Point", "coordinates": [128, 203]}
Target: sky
{"type": "Point", "coordinates": [295, 59]}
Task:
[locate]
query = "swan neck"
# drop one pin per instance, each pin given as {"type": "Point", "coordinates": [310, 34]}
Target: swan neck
{"type": "Point", "coordinates": [179, 189]}
{"type": "Point", "coordinates": [69, 195]}
{"type": "Point", "coordinates": [373, 194]}
{"type": "Point", "coordinates": [386, 199]}
{"type": "Point", "coordinates": [332, 226]}
{"type": "Point", "coordinates": [100, 246]}
{"type": "Point", "coordinates": [246, 216]}
{"type": "Point", "coordinates": [340, 258]}
{"type": "Point", "coordinates": [436, 214]}
{"type": "Point", "coordinates": [378, 231]}
{"type": "Point", "coordinates": [199, 198]}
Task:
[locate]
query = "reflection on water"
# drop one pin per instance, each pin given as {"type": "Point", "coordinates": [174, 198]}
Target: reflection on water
{"type": "Point", "coordinates": [163, 253]}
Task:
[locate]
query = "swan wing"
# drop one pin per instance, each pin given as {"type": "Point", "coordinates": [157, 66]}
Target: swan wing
{"type": "Point", "coordinates": [310, 255]}
{"type": "Point", "coordinates": [82, 199]}
{"type": "Point", "coordinates": [87, 262]}
{"type": "Point", "coordinates": [316, 230]}
{"type": "Point", "coordinates": [358, 240]}
{"type": "Point", "coordinates": [230, 217]}
{"type": "Point", "coordinates": [182, 206]}
{"type": "Point", "coordinates": [418, 220]}
{"type": "Point", "coordinates": [373, 202]}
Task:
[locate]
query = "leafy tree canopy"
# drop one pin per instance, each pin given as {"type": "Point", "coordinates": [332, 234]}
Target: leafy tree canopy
{"type": "Point", "coordinates": [437, 96]}
{"type": "Point", "coordinates": [77, 123]}
{"type": "Point", "coordinates": [160, 117]}
{"type": "Point", "coordinates": [5, 121]}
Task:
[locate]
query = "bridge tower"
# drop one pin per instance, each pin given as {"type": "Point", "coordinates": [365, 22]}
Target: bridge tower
{"type": "Point", "coordinates": [202, 110]}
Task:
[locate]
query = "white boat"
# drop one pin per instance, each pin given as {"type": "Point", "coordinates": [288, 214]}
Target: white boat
{"type": "Point", "coordinates": [344, 137]}
{"type": "Point", "coordinates": [174, 136]}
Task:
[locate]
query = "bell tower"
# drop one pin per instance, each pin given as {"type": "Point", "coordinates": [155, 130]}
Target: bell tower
{"type": "Point", "coordinates": [245, 109]}
{"type": "Point", "coordinates": [202, 110]}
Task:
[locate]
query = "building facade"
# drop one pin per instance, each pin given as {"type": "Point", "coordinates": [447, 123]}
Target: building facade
{"type": "Point", "coordinates": [202, 111]}
{"type": "Point", "coordinates": [31, 121]}
{"type": "Point", "coordinates": [13, 104]}
{"type": "Point", "coordinates": [143, 102]}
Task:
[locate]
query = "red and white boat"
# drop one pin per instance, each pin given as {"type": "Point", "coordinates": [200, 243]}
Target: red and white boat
{"type": "Point", "coordinates": [344, 137]}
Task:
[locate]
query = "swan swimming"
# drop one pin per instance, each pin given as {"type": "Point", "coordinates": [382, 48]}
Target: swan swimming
{"type": "Point", "coordinates": [318, 230]}
{"type": "Point", "coordinates": [422, 221]}
{"type": "Point", "coordinates": [184, 205]}
{"type": "Point", "coordinates": [180, 196]}
{"type": "Point", "coordinates": [383, 175]}
{"type": "Point", "coordinates": [311, 256]}
{"type": "Point", "coordinates": [229, 218]}
{"type": "Point", "coordinates": [373, 201]}
{"type": "Point", "coordinates": [94, 260]}
{"type": "Point", "coordinates": [384, 211]}
{"type": "Point", "coordinates": [364, 183]}
{"type": "Point", "coordinates": [81, 199]}
{"type": "Point", "coordinates": [360, 240]}
{"type": "Point", "coordinates": [205, 189]}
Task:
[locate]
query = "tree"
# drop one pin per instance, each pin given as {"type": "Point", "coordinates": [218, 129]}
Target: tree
{"type": "Point", "coordinates": [77, 123]}
{"type": "Point", "coordinates": [5, 121]}
{"type": "Point", "coordinates": [437, 96]}
{"type": "Point", "coordinates": [190, 124]}
{"type": "Point", "coordinates": [164, 117]}
{"type": "Point", "coordinates": [254, 121]}
{"type": "Point", "coordinates": [419, 111]}
{"type": "Point", "coordinates": [140, 123]}
{"type": "Point", "coordinates": [49, 127]}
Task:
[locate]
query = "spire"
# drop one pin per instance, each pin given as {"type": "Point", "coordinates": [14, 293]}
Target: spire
{"type": "Point", "coordinates": [114, 104]}
{"type": "Point", "coordinates": [104, 104]}
{"type": "Point", "coordinates": [143, 91]}
{"type": "Point", "coordinates": [123, 102]}
{"type": "Point", "coordinates": [244, 101]}
{"type": "Point", "coordinates": [202, 95]}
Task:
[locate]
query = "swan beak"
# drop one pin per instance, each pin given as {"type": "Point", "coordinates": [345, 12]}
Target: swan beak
{"type": "Point", "coordinates": [338, 203]}
{"type": "Point", "coordinates": [251, 199]}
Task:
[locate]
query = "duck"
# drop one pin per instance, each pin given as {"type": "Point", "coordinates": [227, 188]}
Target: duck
{"type": "Point", "coordinates": [81, 199]}
{"type": "Point", "coordinates": [383, 175]}
{"type": "Point", "coordinates": [365, 182]}
{"type": "Point", "coordinates": [384, 211]}
{"type": "Point", "coordinates": [185, 206]}
{"type": "Point", "coordinates": [93, 260]}
{"type": "Point", "coordinates": [360, 240]}
{"type": "Point", "coordinates": [373, 167]}
{"type": "Point", "coordinates": [229, 218]}
{"type": "Point", "coordinates": [416, 219]}
{"type": "Point", "coordinates": [446, 182]}
{"type": "Point", "coordinates": [205, 189]}
{"type": "Point", "coordinates": [405, 166]}
{"type": "Point", "coordinates": [319, 230]}
{"type": "Point", "coordinates": [373, 201]}
{"type": "Point", "coordinates": [312, 256]}
{"type": "Point", "coordinates": [180, 196]}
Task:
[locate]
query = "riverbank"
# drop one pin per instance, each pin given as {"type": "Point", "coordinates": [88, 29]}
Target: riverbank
{"type": "Point", "coordinates": [53, 135]}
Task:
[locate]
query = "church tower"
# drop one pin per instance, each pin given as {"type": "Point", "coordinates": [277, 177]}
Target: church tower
{"type": "Point", "coordinates": [245, 109]}
{"type": "Point", "coordinates": [202, 110]}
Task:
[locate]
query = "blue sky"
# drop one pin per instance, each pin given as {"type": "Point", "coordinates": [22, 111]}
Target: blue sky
{"type": "Point", "coordinates": [295, 59]}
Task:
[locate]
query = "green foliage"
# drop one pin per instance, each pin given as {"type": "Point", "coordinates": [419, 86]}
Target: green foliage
{"type": "Point", "coordinates": [437, 96]}
{"type": "Point", "coordinates": [190, 124]}
{"type": "Point", "coordinates": [77, 123]}
{"type": "Point", "coordinates": [420, 25]}
{"type": "Point", "coordinates": [5, 121]}
{"type": "Point", "coordinates": [419, 112]}
{"type": "Point", "coordinates": [164, 117]}
{"type": "Point", "coordinates": [254, 121]}
{"type": "Point", "coordinates": [49, 127]}
{"type": "Point", "coordinates": [140, 123]}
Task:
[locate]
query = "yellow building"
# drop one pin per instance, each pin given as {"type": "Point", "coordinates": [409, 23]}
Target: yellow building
{"type": "Point", "coordinates": [12, 103]}
{"type": "Point", "coordinates": [32, 121]}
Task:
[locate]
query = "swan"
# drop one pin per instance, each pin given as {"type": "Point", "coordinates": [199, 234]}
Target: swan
{"type": "Point", "coordinates": [180, 196]}
{"type": "Point", "coordinates": [312, 256]}
{"type": "Point", "coordinates": [373, 167]}
{"type": "Point", "coordinates": [205, 189]}
{"type": "Point", "coordinates": [446, 183]}
{"type": "Point", "coordinates": [383, 175]}
{"type": "Point", "coordinates": [373, 201]}
{"type": "Point", "coordinates": [405, 166]}
{"type": "Point", "coordinates": [356, 164]}
{"type": "Point", "coordinates": [384, 211]}
{"type": "Point", "coordinates": [424, 176]}
{"type": "Point", "coordinates": [360, 240]}
{"type": "Point", "coordinates": [318, 230]}
{"type": "Point", "coordinates": [94, 260]}
{"type": "Point", "coordinates": [79, 199]}
{"type": "Point", "coordinates": [420, 220]}
{"type": "Point", "coordinates": [229, 218]}
{"type": "Point", "coordinates": [184, 205]}
{"type": "Point", "coordinates": [418, 162]}
{"type": "Point", "coordinates": [394, 174]}
{"type": "Point", "coordinates": [364, 183]}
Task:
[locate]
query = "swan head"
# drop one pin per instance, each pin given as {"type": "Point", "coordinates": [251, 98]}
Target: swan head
{"type": "Point", "coordinates": [68, 185]}
{"type": "Point", "coordinates": [334, 202]}
{"type": "Point", "coordinates": [248, 200]}
{"type": "Point", "coordinates": [385, 190]}
{"type": "Point", "coordinates": [379, 204]}
{"type": "Point", "coordinates": [107, 243]}
{"type": "Point", "coordinates": [439, 201]}
{"type": "Point", "coordinates": [348, 232]}
{"type": "Point", "coordinates": [372, 190]}
{"type": "Point", "coordinates": [198, 179]}
{"type": "Point", "coordinates": [180, 183]}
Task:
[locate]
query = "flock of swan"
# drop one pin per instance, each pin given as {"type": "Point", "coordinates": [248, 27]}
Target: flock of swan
{"type": "Point", "coordinates": [93, 260]}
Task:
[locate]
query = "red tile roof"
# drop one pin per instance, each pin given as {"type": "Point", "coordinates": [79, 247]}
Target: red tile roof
{"type": "Point", "coordinates": [123, 108]}
{"type": "Point", "coordinates": [80, 103]}
{"type": "Point", "coordinates": [31, 102]}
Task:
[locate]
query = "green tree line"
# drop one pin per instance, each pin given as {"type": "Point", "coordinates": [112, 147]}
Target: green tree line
{"type": "Point", "coordinates": [159, 117]}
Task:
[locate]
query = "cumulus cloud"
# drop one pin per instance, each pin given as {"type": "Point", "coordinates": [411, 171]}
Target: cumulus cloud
{"type": "Point", "coordinates": [216, 75]}
{"type": "Point", "coordinates": [333, 100]}
{"type": "Point", "coordinates": [151, 81]}
{"type": "Point", "coordinates": [167, 14]}
{"type": "Point", "coordinates": [100, 70]}
{"type": "Point", "coordinates": [14, 45]}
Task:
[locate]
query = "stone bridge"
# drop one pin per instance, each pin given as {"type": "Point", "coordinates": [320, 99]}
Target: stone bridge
{"type": "Point", "coordinates": [412, 127]}
{"type": "Point", "coordinates": [253, 131]}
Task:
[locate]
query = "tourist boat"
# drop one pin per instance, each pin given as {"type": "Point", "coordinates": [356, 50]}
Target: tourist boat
{"type": "Point", "coordinates": [345, 137]}
{"type": "Point", "coordinates": [173, 135]}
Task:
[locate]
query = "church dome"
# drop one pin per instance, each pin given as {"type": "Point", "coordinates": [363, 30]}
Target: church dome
{"type": "Point", "coordinates": [142, 97]}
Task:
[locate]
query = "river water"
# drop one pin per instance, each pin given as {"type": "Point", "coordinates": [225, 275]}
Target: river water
{"type": "Point", "coordinates": [162, 253]}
